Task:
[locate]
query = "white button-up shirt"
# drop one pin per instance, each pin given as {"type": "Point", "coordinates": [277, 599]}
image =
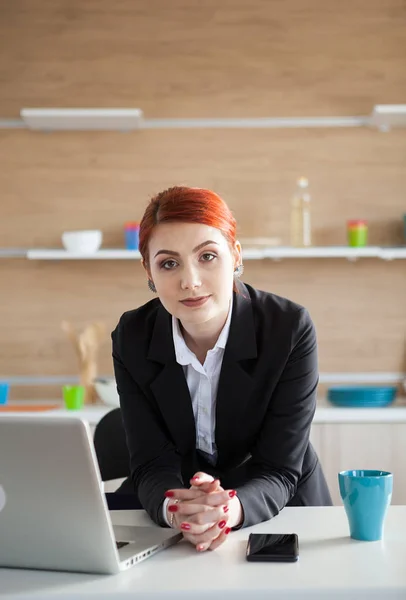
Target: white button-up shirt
{"type": "Point", "coordinates": [203, 382]}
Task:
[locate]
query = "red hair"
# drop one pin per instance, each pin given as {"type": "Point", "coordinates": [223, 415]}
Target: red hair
{"type": "Point", "coordinates": [186, 205]}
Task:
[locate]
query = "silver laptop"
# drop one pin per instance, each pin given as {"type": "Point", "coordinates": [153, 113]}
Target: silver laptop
{"type": "Point", "coordinates": [53, 513]}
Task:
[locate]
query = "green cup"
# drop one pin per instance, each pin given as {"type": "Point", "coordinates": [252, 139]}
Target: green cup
{"type": "Point", "coordinates": [74, 396]}
{"type": "Point", "coordinates": [357, 233]}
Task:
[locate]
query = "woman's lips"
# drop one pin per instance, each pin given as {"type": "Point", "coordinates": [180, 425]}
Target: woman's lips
{"type": "Point", "coordinates": [195, 302]}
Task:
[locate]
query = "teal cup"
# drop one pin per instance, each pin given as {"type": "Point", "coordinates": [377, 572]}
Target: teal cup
{"type": "Point", "coordinates": [4, 390]}
{"type": "Point", "coordinates": [366, 495]}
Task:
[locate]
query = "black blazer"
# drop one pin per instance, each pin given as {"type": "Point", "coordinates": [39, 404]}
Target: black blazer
{"type": "Point", "coordinates": [265, 405]}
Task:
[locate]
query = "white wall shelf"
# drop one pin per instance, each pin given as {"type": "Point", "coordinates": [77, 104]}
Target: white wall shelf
{"type": "Point", "coordinates": [321, 252]}
{"type": "Point", "coordinates": [105, 254]}
{"type": "Point", "coordinates": [383, 117]}
{"type": "Point", "coordinates": [392, 253]}
{"type": "Point", "coordinates": [275, 253]}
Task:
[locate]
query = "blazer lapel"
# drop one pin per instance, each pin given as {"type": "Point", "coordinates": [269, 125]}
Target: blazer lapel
{"type": "Point", "coordinates": [235, 384]}
{"type": "Point", "coordinates": [170, 387]}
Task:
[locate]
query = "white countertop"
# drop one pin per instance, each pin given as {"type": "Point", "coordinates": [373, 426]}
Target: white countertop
{"type": "Point", "coordinates": [328, 413]}
{"type": "Point", "coordinates": [325, 412]}
{"type": "Point", "coordinates": [331, 566]}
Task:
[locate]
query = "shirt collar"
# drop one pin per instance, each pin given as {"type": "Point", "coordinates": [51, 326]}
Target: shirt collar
{"type": "Point", "coordinates": [184, 356]}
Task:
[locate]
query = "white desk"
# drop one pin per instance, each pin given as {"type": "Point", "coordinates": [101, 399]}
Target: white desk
{"type": "Point", "coordinates": [331, 567]}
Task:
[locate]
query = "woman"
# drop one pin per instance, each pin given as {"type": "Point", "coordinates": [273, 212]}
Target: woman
{"type": "Point", "coordinates": [217, 380]}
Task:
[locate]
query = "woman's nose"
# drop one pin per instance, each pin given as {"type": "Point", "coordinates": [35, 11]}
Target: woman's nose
{"type": "Point", "coordinates": [190, 279]}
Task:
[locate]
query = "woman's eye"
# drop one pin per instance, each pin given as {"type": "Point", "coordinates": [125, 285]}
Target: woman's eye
{"type": "Point", "coordinates": [168, 264]}
{"type": "Point", "coordinates": [208, 256]}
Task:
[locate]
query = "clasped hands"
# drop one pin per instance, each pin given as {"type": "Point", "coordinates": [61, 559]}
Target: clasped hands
{"type": "Point", "coordinates": [205, 513]}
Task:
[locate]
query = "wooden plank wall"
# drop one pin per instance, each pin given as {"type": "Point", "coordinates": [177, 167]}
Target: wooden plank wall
{"type": "Point", "coordinates": [206, 58]}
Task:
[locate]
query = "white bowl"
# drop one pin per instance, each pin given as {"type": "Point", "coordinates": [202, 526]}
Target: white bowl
{"type": "Point", "coordinates": [82, 242]}
{"type": "Point", "coordinates": [107, 391]}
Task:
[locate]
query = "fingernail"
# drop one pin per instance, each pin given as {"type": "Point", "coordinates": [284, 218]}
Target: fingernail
{"type": "Point", "coordinates": [195, 478]}
{"type": "Point", "coordinates": [232, 493]}
{"type": "Point", "coordinates": [227, 530]}
{"type": "Point", "coordinates": [169, 494]}
{"type": "Point", "coordinates": [222, 524]}
{"type": "Point", "coordinates": [225, 508]}
{"type": "Point", "coordinates": [200, 548]}
{"type": "Point", "coordinates": [172, 508]}
{"type": "Point", "coordinates": [185, 526]}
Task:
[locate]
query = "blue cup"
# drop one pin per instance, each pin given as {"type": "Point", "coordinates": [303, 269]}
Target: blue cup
{"type": "Point", "coordinates": [4, 389]}
{"type": "Point", "coordinates": [366, 495]}
{"type": "Point", "coordinates": [132, 236]}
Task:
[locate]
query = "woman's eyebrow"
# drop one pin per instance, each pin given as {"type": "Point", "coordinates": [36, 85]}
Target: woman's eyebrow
{"type": "Point", "coordinates": [194, 249]}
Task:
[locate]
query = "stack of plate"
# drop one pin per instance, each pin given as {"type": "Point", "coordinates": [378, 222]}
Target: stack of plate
{"type": "Point", "coordinates": [365, 397]}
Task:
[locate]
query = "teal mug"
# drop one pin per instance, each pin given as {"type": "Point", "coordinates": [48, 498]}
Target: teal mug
{"type": "Point", "coordinates": [366, 495]}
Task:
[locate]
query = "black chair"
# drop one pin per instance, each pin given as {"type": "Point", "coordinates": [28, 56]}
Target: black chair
{"type": "Point", "coordinates": [112, 455]}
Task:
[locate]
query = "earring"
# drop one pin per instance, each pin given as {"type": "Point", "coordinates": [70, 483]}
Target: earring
{"type": "Point", "coordinates": [151, 286]}
{"type": "Point", "coordinates": [239, 270]}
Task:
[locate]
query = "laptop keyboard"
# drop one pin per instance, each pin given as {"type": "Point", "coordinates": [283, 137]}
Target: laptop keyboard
{"type": "Point", "coordinates": [121, 544]}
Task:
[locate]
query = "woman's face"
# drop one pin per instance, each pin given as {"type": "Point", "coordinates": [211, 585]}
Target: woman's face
{"type": "Point", "coordinates": [192, 268]}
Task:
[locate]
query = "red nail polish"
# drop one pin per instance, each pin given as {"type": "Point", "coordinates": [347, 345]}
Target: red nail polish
{"type": "Point", "coordinates": [173, 508]}
{"type": "Point", "coordinates": [225, 508]}
{"type": "Point", "coordinates": [185, 526]}
{"type": "Point", "coordinates": [169, 494]}
{"type": "Point", "coordinates": [195, 479]}
{"type": "Point", "coordinates": [227, 530]}
{"type": "Point", "coordinates": [222, 524]}
{"type": "Point", "coordinates": [232, 493]}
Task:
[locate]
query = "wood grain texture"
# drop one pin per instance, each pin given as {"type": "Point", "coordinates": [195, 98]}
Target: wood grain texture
{"type": "Point", "coordinates": [201, 59]}
{"type": "Point", "coordinates": [204, 57]}
{"type": "Point", "coordinates": [60, 181]}
{"type": "Point", "coordinates": [358, 309]}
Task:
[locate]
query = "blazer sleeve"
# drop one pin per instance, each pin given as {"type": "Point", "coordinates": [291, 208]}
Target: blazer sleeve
{"type": "Point", "coordinates": [277, 457]}
{"type": "Point", "coordinates": [154, 462]}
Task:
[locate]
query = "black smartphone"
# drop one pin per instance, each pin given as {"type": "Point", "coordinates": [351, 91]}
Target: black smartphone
{"type": "Point", "coordinates": [273, 547]}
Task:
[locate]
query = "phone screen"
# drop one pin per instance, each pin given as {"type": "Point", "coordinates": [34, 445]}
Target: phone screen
{"type": "Point", "coordinates": [279, 547]}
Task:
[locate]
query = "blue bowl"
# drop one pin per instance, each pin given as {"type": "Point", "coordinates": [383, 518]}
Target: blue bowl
{"type": "Point", "coordinates": [365, 397]}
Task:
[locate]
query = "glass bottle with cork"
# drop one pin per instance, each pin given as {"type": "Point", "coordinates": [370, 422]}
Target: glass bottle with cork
{"type": "Point", "coordinates": [300, 225]}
